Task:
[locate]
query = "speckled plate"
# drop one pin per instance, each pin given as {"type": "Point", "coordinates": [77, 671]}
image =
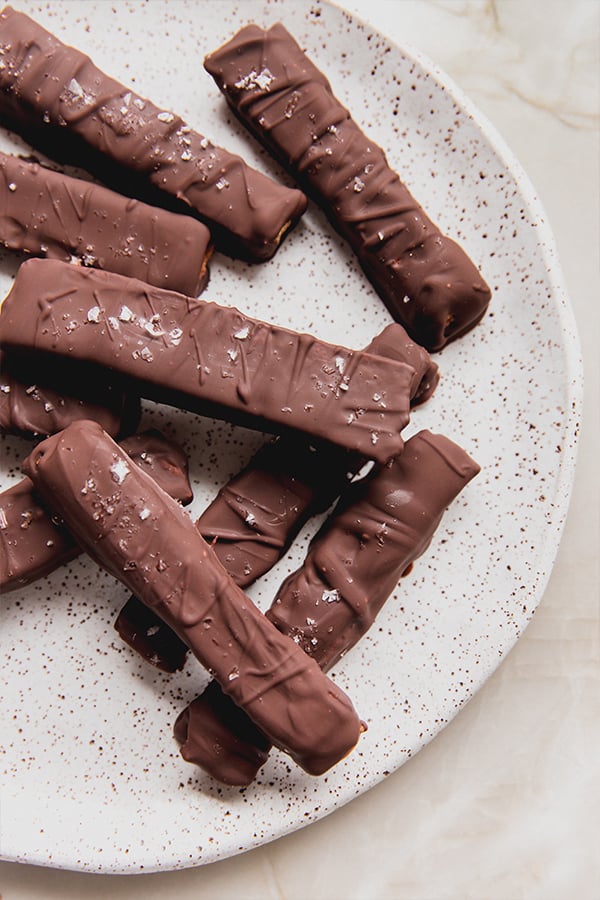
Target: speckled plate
{"type": "Point", "coordinates": [91, 775]}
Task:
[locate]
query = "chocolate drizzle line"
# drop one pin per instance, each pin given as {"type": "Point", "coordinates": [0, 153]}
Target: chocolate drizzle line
{"type": "Point", "coordinates": [379, 527]}
{"type": "Point", "coordinates": [255, 517]}
{"type": "Point", "coordinates": [248, 211]}
{"type": "Point", "coordinates": [426, 280]}
{"type": "Point", "coordinates": [140, 535]}
{"type": "Point", "coordinates": [188, 353]}
{"type": "Point", "coordinates": [34, 543]}
{"type": "Point", "coordinates": [46, 213]}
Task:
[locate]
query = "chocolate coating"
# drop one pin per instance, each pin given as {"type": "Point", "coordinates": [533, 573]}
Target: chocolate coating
{"type": "Point", "coordinates": [34, 543]}
{"type": "Point", "coordinates": [145, 539]}
{"type": "Point", "coordinates": [163, 460]}
{"type": "Point", "coordinates": [249, 526]}
{"type": "Point", "coordinates": [146, 633]}
{"type": "Point", "coordinates": [426, 280]}
{"type": "Point", "coordinates": [46, 213]}
{"type": "Point", "coordinates": [244, 207]}
{"type": "Point", "coordinates": [208, 358]}
{"type": "Point", "coordinates": [380, 526]}
{"type": "Point", "coordinates": [38, 400]}
{"type": "Point", "coordinates": [255, 517]}
{"type": "Point", "coordinates": [213, 727]}
{"type": "Point", "coordinates": [394, 343]}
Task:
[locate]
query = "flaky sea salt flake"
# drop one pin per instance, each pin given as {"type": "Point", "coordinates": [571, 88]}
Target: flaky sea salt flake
{"type": "Point", "coordinates": [126, 314]}
{"type": "Point", "coordinates": [119, 471]}
{"type": "Point", "coordinates": [261, 80]}
{"type": "Point", "coordinates": [75, 89]}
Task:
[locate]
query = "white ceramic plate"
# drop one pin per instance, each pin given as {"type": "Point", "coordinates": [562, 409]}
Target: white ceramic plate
{"type": "Point", "coordinates": [91, 776]}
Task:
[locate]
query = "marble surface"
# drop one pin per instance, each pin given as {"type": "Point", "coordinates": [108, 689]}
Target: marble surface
{"type": "Point", "coordinates": [503, 803]}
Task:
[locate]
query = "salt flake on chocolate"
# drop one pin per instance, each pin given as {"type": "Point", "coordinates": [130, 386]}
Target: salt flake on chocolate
{"type": "Point", "coordinates": [261, 80]}
{"type": "Point", "coordinates": [119, 471]}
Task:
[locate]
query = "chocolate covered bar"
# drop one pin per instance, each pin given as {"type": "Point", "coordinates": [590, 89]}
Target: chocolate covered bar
{"type": "Point", "coordinates": [255, 517]}
{"type": "Point", "coordinates": [247, 212]}
{"type": "Point", "coordinates": [37, 401]}
{"type": "Point", "coordinates": [249, 526]}
{"type": "Point", "coordinates": [208, 358]}
{"type": "Point", "coordinates": [426, 280]}
{"type": "Point", "coordinates": [140, 535]}
{"type": "Point", "coordinates": [395, 343]}
{"type": "Point", "coordinates": [258, 513]}
{"type": "Point", "coordinates": [146, 633]}
{"type": "Point", "coordinates": [46, 213]}
{"type": "Point", "coordinates": [34, 543]}
{"type": "Point", "coordinates": [380, 526]}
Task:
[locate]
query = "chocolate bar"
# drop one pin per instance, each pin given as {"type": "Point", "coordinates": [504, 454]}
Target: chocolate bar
{"type": "Point", "coordinates": [46, 213]}
{"type": "Point", "coordinates": [35, 401]}
{"type": "Point", "coordinates": [140, 535]}
{"type": "Point", "coordinates": [426, 280]}
{"type": "Point", "coordinates": [34, 543]}
{"type": "Point", "coordinates": [394, 343]}
{"type": "Point", "coordinates": [146, 633]}
{"type": "Point", "coordinates": [247, 212]}
{"type": "Point", "coordinates": [216, 735]}
{"type": "Point", "coordinates": [256, 516]}
{"type": "Point", "coordinates": [249, 526]}
{"type": "Point", "coordinates": [208, 358]}
{"type": "Point", "coordinates": [380, 526]}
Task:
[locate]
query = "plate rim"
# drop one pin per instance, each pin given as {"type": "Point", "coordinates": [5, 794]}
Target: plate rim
{"type": "Point", "coordinates": [563, 486]}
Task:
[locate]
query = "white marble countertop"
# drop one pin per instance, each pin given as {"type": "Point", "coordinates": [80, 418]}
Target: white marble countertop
{"type": "Point", "coordinates": [503, 804]}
